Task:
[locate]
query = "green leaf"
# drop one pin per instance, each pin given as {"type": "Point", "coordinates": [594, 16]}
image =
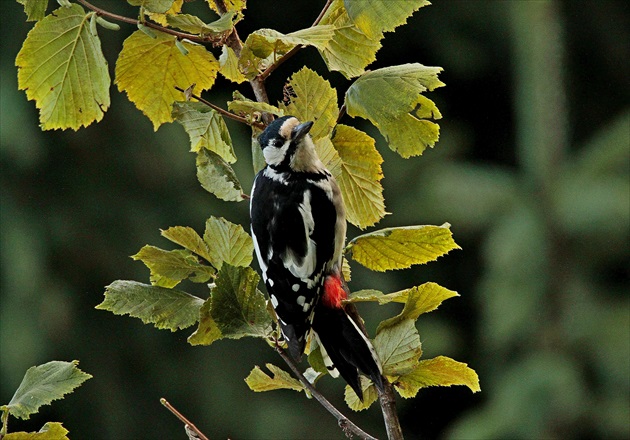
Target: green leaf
{"type": "Point", "coordinates": [62, 68]}
{"type": "Point", "coordinates": [188, 238]}
{"type": "Point", "coordinates": [229, 65]}
{"type": "Point", "coordinates": [360, 176]}
{"type": "Point", "coordinates": [159, 6]}
{"type": "Point", "coordinates": [419, 300]}
{"type": "Point", "coordinates": [238, 307]}
{"type": "Point", "coordinates": [35, 9]}
{"type": "Point", "coordinates": [217, 176]}
{"type": "Point", "coordinates": [404, 117]}
{"type": "Point", "coordinates": [165, 308]}
{"type": "Point", "coordinates": [316, 360]}
{"type": "Point", "coordinates": [259, 381]}
{"type": "Point", "coordinates": [350, 50]}
{"type": "Point", "coordinates": [208, 331]}
{"type": "Point", "coordinates": [252, 109]}
{"type": "Point", "coordinates": [43, 384]}
{"type": "Point", "coordinates": [400, 248]}
{"type": "Point", "coordinates": [313, 99]}
{"type": "Point", "coordinates": [227, 243]}
{"type": "Point", "coordinates": [161, 18]}
{"type": "Point", "coordinates": [149, 69]}
{"type": "Point", "coordinates": [206, 129]}
{"type": "Point", "coordinates": [440, 371]}
{"type": "Point", "coordinates": [398, 347]}
{"type": "Point", "coordinates": [194, 25]}
{"type": "Point", "coordinates": [50, 431]}
{"type": "Point", "coordinates": [369, 395]}
{"type": "Point", "coordinates": [374, 17]}
{"type": "Point", "coordinates": [168, 268]}
{"type": "Point", "coordinates": [264, 46]}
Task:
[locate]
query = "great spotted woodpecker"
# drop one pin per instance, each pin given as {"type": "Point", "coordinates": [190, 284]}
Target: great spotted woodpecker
{"type": "Point", "coordinates": [298, 224]}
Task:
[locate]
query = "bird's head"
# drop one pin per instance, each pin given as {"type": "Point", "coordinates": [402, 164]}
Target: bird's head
{"type": "Point", "coordinates": [287, 145]}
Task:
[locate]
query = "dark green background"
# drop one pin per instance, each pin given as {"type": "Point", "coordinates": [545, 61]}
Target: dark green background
{"type": "Point", "coordinates": [532, 171]}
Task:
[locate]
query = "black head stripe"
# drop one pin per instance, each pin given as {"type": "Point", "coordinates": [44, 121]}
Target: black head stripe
{"type": "Point", "coordinates": [271, 131]}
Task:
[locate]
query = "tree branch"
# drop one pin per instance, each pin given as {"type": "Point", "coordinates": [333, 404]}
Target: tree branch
{"type": "Point", "coordinates": [178, 34]}
{"type": "Point", "coordinates": [387, 399]}
{"type": "Point", "coordinates": [346, 425]}
{"type": "Point", "coordinates": [187, 424]}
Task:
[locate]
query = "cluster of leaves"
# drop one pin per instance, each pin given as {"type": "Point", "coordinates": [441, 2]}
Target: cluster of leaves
{"type": "Point", "coordinates": [41, 385]}
{"type": "Point", "coordinates": [61, 66]}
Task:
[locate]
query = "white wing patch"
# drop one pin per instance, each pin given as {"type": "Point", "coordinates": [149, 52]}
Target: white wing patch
{"type": "Point", "coordinates": [304, 269]}
{"type": "Point", "coordinates": [263, 266]}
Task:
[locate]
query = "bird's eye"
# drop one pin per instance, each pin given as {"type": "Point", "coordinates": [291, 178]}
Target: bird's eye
{"type": "Point", "coordinates": [278, 143]}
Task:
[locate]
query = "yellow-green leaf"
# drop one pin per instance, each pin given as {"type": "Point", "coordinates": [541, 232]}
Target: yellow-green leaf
{"type": "Point", "coordinates": [148, 70]}
{"type": "Point", "coordinates": [159, 6]}
{"type": "Point", "coordinates": [165, 308]}
{"type": "Point", "coordinates": [168, 268]}
{"type": "Point", "coordinates": [440, 371]}
{"type": "Point", "coordinates": [350, 51]}
{"type": "Point", "coordinates": [205, 127]}
{"type": "Point", "coordinates": [35, 9]}
{"type": "Point", "coordinates": [217, 176]}
{"type": "Point", "coordinates": [230, 5]}
{"type": "Point", "coordinates": [259, 381]}
{"type": "Point", "coordinates": [229, 65]}
{"type": "Point", "coordinates": [405, 117]}
{"type": "Point", "coordinates": [400, 248]}
{"type": "Point", "coordinates": [50, 431]}
{"type": "Point", "coordinates": [313, 100]}
{"type": "Point", "coordinates": [188, 238]}
{"type": "Point", "coordinates": [369, 395]}
{"type": "Point", "coordinates": [227, 243]}
{"type": "Point", "coordinates": [374, 17]}
{"type": "Point", "coordinates": [360, 176]}
{"type": "Point", "coordinates": [43, 384]}
{"type": "Point", "coordinates": [194, 25]}
{"type": "Point", "coordinates": [62, 68]}
{"type": "Point", "coordinates": [419, 300]}
{"type": "Point", "coordinates": [264, 46]}
{"type": "Point", "coordinates": [398, 347]}
{"type": "Point", "coordinates": [249, 109]}
{"type": "Point", "coordinates": [161, 18]}
{"type": "Point", "coordinates": [208, 331]}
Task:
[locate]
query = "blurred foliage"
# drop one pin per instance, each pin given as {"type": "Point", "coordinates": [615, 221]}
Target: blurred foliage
{"type": "Point", "coordinates": [532, 172]}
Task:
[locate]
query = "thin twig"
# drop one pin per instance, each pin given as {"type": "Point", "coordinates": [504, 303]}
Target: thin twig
{"type": "Point", "coordinates": [224, 112]}
{"type": "Point", "coordinates": [190, 426]}
{"type": "Point", "coordinates": [178, 34]}
{"type": "Point", "coordinates": [348, 427]}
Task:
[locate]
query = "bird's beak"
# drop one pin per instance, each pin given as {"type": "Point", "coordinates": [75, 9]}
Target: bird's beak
{"type": "Point", "coordinates": [301, 130]}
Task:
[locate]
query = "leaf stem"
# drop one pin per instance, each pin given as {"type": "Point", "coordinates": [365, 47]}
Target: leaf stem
{"type": "Point", "coordinates": [189, 426]}
{"type": "Point", "coordinates": [178, 34]}
{"type": "Point", "coordinates": [346, 425]}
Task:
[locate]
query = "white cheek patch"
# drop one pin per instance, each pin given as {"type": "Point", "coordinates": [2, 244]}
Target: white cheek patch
{"type": "Point", "coordinates": [274, 155]}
